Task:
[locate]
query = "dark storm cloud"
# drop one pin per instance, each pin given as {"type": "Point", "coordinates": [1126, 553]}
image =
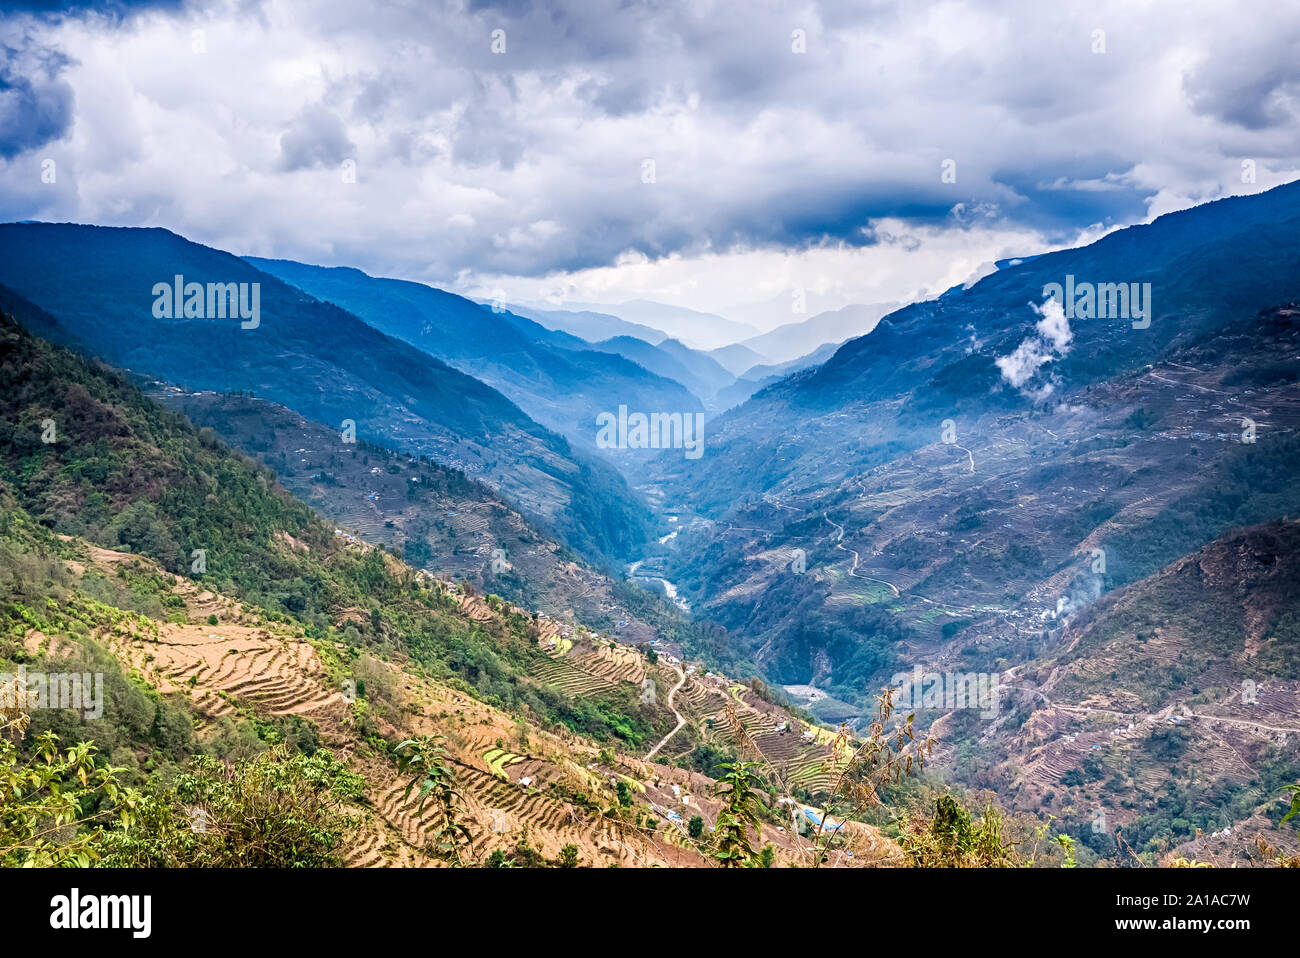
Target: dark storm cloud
{"type": "Point", "coordinates": [103, 7]}
{"type": "Point", "coordinates": [35, 104]}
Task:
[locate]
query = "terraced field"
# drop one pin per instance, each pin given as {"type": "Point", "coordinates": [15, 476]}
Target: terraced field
{"type": "Point", "coordinates": [243, 666]}
{"type": "Point", "coordinates": [756, 723]}
{"type": "Point", "coordinates": [697, 700]}
{"type": "Point", "coordinates": [811, 769]}
{"type": "Point", "coordinates": [499, 813]}
{"type": "Point", "coordinates": [617, 664]}
{"type": "Point", "coordinates": [219, 667]}
{"type": "Point", "coordinates": [363, 520]}
{"type": "Point", "coordinates": [568, 679]}
{"type": "Point", "coordinates": [497, 759]}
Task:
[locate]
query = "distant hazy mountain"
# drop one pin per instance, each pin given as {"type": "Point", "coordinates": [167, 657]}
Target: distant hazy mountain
{"type": "Point", "coordinates": [316, 358]}
{"type": "Point", "coordinates": [555, 377]}
{"type": "Point", "coordinates": [786, 306]}
{"type": "Point", "coordinates": [656, 360]}
{"type": "Point", "coordinates": [702, 366]}
{"type": "Point", "coordinates": [779, 370]}
{"type": "Point", "coordinates": [697, 371]}
{"type": "Point", "coordinates": [757, 377]}
{"type": "Point", "coordinates": [737, 357]}
{"type": "Point", "coordinates": [591, 325]}
{"type": "Point", "coordinates": [797, 339]}
{"type": "Point", "coordinates": [694, 328]}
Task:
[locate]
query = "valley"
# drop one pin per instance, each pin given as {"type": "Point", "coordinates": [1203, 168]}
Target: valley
{"type": "Point", "coordinates": [412, 536]}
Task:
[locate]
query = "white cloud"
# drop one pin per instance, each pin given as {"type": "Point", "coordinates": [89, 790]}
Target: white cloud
{"type": "Point", "coordinates": [1020, 366]}
{"type": "Point", "coordinates": [1054, 327]}
{"type": "Point", "coordinates": [773, 169]}
{"type": "Point", "coordinates": [1051, 340]}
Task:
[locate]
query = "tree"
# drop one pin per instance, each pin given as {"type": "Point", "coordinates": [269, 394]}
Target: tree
{"type": "Point", "coordinates": [739, 813]}
{"type": "Point", "coordinates": [568, 856]}
{"type": "Point", "coordinates": [1295, 804]}
{"type": "Point", "coordinates": [950, 839]}
{"type": "Point", "coordinates": [1067, 844]}
{"type": "Point", "coordinates": [428, 759]}
{"type": "Point", "coordinates": [695, 827]}
{"type": "Point", "coordinates": [278, 809]}
{"type": "Point", "coordinates": [53, 806]}
{"type": "Point", "coordinates": [864, 769]}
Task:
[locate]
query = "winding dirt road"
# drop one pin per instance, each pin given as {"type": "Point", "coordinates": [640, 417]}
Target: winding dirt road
{"type": "Point", "coordinates": [681, 719]}
{"type": "Point", "coordinates": [853, 571]}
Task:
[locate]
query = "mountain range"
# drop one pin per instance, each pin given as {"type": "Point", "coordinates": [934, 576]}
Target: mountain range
{"type": "Point", "coordinates": [1074, 477]}
{"type": "Point", "coordinates": [560, 382]}
{"type": "Point", "coordinates": [314, 357]}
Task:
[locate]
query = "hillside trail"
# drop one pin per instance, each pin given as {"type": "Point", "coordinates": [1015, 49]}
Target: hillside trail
{"type": "Point", "coordinates": [853, 570]}
{"type": "Point", "coordinates": [681, 719]}
{"type": "Point", "coordinates": [1149, 718]}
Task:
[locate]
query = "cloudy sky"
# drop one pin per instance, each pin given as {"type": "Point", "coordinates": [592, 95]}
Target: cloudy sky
{"type": "Point", "coordinates": [716, 155]}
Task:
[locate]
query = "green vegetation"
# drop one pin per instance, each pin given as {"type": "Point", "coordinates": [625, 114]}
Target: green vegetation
{"type": "Point", "coordinates": [950, 839]}
{"type": "Point", "coordinates": [568, 856]}
{"type": "Point", "coordinates": [55, 804]}
{"type": "Point", "coordinates": [127, 474]}
{"type": "Point", "coordinates": [427, 761]}
{"type": "Point", "coordinates": [497, 759]}
{"type": "Point", "coordinates": [277, 810]}
{"type": "Point", "coordinates": [739, 814]}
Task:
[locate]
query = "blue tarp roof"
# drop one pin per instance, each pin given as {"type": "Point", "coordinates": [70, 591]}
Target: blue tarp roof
{"type": "Point", "coordinates": [831, 824]}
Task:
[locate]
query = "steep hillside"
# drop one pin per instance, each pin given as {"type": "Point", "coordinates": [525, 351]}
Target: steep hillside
{"type": "Point", "coordinates": [937, 508]}
{"type": "Point", "coordinates": [562, 388]}
{"type": "Point", "coordinates": [315, 358]}
{"type": "Point", "coordinates": [970, 550]}
{"type": "Point", "coordinates": [289, 635]}
{"type": "Point", "coordinates": [441, 521]}
{"type": "Point", "coordinates": [189, 686]}
{"type": "Point", "coordinates": [1168, 706]}
{"type": "Point", "coordinates": [124, 473]}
